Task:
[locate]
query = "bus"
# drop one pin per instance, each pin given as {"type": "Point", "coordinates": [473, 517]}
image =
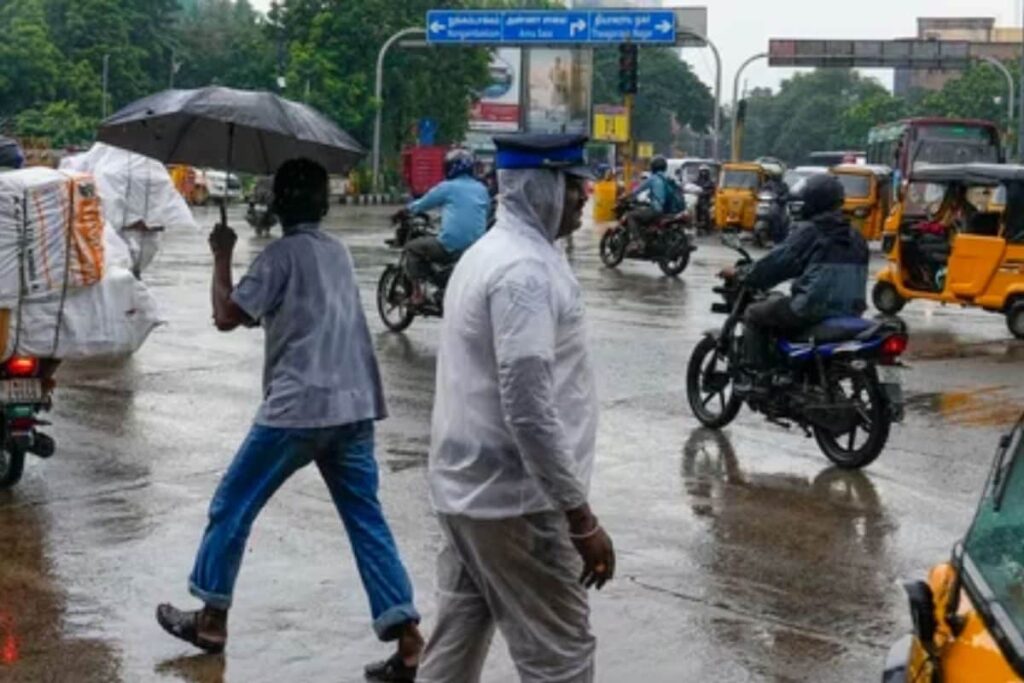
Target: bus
{"type": "Point", "coordinates": [906, 144]}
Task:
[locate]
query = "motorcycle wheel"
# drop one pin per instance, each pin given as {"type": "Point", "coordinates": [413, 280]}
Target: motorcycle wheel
{"type": "Point", "coordinates": [676, 253]}
{"type": "Point", "coordinates": [707, 377]}
{"type": "Point", "coordinates": [393, 292]}
{"type": "Point", "coordinates": [613, 247]}
{"type": "Point", "coordinates": [12, 464]}
{"type": "Point", "coordinates": [861, 388]}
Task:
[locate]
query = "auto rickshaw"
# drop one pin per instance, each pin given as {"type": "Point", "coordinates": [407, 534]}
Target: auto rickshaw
{"type": "Point", "coordinates": [968, 617]}
{"type": "Point", "coordinates": [868, 196]}
{"type": "Point", "coordinates": [949, 239]}
{"type": "Point", "coordinates": [736, 196]}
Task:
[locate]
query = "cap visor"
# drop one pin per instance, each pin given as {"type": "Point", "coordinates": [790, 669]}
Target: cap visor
{"type": "Point", "coordinates": [584, 172]}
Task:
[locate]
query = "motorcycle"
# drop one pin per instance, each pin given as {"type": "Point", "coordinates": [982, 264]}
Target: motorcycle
{"type": "Point", "coordinates": [704, 222]}
{"type": "Point", "coordinates": [26, 386]}
{"type": "Point", "coordinates": [666, 241]}
{"type": "Point", "coordinates": [839, 380]}
{"type": "Point", "coordinates": [395, 288]}
{"type": "Point", "coordinates": [259, 216]}
{"type": "Point", "coordinates": [773, 220]}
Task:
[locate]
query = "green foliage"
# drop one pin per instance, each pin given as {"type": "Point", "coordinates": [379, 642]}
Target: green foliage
{"type": "Point", "coordinates": [669, 95]}
{"type": "Point", "coordinates": [59, 122]}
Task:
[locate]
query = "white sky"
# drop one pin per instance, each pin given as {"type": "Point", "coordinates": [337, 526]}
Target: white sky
{"type": "Point", "coordinates": [741, 28]}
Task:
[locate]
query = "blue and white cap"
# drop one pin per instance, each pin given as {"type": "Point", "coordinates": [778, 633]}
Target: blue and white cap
{"type": "Point", "coordinates": [557, 152]}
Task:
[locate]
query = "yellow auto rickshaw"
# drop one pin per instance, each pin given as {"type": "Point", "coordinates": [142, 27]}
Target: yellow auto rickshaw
{"type": "Point", "coordinates": [736, 196]}
{"type": "Point", "coordinates": [968, 617]}
{"type": "Point", "coordinates": [949, 239]}
{"type": "Point", "coordinates": [868, 196]}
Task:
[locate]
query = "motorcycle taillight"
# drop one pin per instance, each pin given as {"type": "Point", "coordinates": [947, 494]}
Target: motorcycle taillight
{"type": "Point", "coordinates": [22, 366]}
{"type": "Point", "coordinates": [894, 346]}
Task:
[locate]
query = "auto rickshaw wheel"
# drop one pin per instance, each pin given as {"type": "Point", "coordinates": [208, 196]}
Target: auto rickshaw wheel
{"type": "Point", "coordinates": [1015, 318]}
{"type": "Point", "coordinates": [887, 299]}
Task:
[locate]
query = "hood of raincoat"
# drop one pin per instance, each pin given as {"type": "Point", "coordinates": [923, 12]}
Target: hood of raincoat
{"type": "Point", "coordinates": [531, 198]}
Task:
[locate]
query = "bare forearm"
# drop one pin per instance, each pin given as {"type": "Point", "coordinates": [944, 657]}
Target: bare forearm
{"type": "Point", "coordinates": [221, 288]}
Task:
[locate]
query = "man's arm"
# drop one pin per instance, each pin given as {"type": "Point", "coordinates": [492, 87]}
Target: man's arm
{"type": "Point", "coordinates": [227, 315]}
{"type": "Point", "coordinates": [523, 322]}
{"type": "Point", "coordinates": [782, 263]}
{"type": "Point", "coordinates": [431, 200]}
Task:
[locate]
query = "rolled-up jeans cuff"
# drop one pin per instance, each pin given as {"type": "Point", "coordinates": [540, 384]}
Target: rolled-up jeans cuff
{"type": "Point", "coordinates": [215, 600]}
{"type": "Point", "coordinates": [388, 626]}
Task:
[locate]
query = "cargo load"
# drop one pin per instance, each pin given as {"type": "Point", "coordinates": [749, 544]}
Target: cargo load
{"type": "Point", "coordinates": [66, 288]}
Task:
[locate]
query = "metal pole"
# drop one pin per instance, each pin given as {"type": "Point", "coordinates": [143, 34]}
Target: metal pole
{"type": "Point", "coordinates": [106, 71]}
{"type": "Point", "coordinates": [736, 96]}
{"type": "Point", "coordinates": [378, 94]}
{"type": "Point", "coordinates": [717, 124]}
{"type": "Point", "coordinates": [1011, 102]}
{"type": "Point", "coordinates": [1020, 115]}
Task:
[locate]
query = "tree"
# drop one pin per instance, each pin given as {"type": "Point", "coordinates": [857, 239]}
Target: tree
{"type": "Point", "coordinates": [669, 95]}
{"type": "Point", "coordinates": [30, 64]}
{"type": "Point", "coordinates": [227, 43]}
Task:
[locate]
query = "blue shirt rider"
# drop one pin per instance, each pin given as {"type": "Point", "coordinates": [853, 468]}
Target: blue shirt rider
{"type": "Point", "coordinates": [663, 194]}
{"type": "Point", "coordinates": [464, 203]}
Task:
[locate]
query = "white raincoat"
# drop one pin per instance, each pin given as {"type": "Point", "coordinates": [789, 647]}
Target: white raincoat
{"type": "Point", "coordinates": [515, 415]}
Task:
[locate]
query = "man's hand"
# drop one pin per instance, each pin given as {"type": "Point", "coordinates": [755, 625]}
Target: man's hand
{"type": "Point", "coordinates": [222, 240]}
{"type": "Point", "coordinates": [593, 545]}
{"type": "Point", "coordinates": [727, 273]}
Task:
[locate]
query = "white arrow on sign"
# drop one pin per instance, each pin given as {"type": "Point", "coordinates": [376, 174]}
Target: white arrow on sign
{"type": "Point", "coordinates": [577, 27]}
{"type": "Point", "coordinates": [664, 26]}
{"type": "Point", "coordinates": [437, 27]}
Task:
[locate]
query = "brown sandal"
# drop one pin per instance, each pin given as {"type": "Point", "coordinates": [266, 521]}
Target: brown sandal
{"type": "Point", "coordinates": [185, 625]}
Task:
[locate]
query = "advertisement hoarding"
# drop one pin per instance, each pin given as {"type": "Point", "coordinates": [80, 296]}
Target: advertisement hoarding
{"type": "Point", "coordinates": [499, 107]}
{"type": "Point", "coordinates": [558, 90]}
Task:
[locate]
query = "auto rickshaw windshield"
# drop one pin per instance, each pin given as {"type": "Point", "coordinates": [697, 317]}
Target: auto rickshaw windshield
{"type": "Point", "coordinates": [994, 545]}
{"type": "Point", "coordinates": [855, 185]}
{"type": "Point", "coordinates": [927, 199]}
{"type": "Point", "coordinates": [737, 179]}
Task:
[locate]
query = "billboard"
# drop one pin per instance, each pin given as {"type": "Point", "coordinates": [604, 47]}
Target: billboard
{"type": "Point", "coordinates": [498, 107]}
{"type": "Point", "coordinates": [905, 54]}
{"type": "Point", "coordinates": [559, 90]}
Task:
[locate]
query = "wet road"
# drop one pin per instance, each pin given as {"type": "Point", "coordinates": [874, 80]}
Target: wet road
{"type": "Point", "coordinates": [743, 555]}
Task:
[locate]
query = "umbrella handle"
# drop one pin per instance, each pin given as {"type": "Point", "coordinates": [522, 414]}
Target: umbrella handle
{"type": "Point", "coordinates": [224, 211]}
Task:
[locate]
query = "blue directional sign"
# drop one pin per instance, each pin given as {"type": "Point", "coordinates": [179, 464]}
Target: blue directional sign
{"type": "Point", "coordinates": [551, 27]}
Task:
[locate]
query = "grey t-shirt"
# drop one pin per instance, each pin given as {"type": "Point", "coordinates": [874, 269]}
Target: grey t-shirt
{"type": "Point", "coordinates": [320, 369]}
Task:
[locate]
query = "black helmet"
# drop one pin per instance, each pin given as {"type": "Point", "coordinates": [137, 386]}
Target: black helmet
{"type": "Point", "coordinates": [658, 164]}
{"type": "Point", "coordinates": [821, 193]}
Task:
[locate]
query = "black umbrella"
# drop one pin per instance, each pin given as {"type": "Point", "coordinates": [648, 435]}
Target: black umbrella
{"type": "Point", "coordinates": [237, 130]}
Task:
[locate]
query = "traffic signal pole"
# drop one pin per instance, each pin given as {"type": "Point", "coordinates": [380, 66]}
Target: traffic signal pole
{"type": "Point", "coordinates": [628, 66]}
{"type": "Point", "coordinates": [629, 150]}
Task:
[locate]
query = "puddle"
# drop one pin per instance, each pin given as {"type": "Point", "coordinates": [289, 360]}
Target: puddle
{"type": "Point", "coordinates": [985, 407]}
{"type": "Point", "coordinates": [946, 345]}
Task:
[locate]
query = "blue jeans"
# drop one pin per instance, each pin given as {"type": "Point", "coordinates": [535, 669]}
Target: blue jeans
{"type": "Point", "coordinates": [346, 461]}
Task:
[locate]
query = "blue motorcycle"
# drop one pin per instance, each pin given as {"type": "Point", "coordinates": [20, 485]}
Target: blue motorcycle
{"type": "Point", "coordinates": [839, 381]}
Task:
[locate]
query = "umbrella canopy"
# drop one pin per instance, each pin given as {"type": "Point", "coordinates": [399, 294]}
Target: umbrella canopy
{"type": "Point", "coordinates": [237, 130]}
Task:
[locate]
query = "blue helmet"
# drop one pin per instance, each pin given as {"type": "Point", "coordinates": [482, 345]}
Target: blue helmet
{"type": "Point", "coordinates": [458, 162]}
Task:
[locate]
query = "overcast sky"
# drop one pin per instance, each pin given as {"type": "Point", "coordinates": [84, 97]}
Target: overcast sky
{"type": "Point", "coordinates": [742, 28]}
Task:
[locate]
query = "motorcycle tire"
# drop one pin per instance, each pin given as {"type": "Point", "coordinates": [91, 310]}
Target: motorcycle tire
{"type": "Point", "coordinates": [12, 465]}
{"type": "Point", "coordinates": [613, 247]}
{"type": "Point", "coordinates": [395, 285]}
{"type": "Point", "coordinates": [696, 375]}
{"type": "Point", "coordinates": [676, 253]}
{"type": "Point", "coordinates": [841, 449]}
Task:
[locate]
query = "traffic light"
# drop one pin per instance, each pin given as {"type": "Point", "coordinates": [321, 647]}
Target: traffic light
{"type": "Point", "coordinates": [627, 68]}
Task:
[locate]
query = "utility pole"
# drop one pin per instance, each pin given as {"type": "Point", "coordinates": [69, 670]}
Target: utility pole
{"type": "Point", "coordinates": [378, 93]}
{"type": "Point", "coordinates": [106, 79]}
{"type": "Point", "coordinates": [1020, 91]}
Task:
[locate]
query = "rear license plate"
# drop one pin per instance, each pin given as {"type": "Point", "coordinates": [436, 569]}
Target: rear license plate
{"type": "Point", "coordinates": [890, 374]}
{"type": "Point", "coordinates": [21, 391]}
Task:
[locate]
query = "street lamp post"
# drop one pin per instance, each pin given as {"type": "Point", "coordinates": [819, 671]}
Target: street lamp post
{"type": "Point", "coordinates": [717, 121]}
{"type": "Point", "coordinates": [1020, 115]}
{"type": "Point", "coordinates": [1011, 101]}
{"type": "Point", "coordinates": [379, 95]}
{"type": "Point", "coordinates": [736, 97]}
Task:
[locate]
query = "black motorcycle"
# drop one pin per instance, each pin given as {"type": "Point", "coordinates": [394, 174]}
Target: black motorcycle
{"type": "Point", "coordinates": [704, 221]}
{"type": "Point", "coordinates": [666, 242]}
{"type": "Point", "coordinates": [26, 385]}
{"type": "Point", "coordinates": [259, 214]}
{"type": "Point", "coordinates": [395, 289]}
{"type": "Point", "coordinates": [839, 380]}
{"type": "Point", "coordinates": [773, 220]}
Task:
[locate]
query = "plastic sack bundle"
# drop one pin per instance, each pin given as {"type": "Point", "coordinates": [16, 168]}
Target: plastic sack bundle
{"type": "Point", "coordinates": [138, 195]}
{"type": "Point", "coordinates": [51, 233]}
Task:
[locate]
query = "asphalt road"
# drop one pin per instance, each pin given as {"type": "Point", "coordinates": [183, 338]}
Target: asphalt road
{"type": "Point", "coordinates": [742, 555]}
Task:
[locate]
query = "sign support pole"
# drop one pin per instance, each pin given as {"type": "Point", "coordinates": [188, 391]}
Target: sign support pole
{"type": "Point", "coordinates": [627, 161]}
{"type": "Point", "coordinates": [378, 95]}
{"type": "Point", "coordinates": [736, 100]}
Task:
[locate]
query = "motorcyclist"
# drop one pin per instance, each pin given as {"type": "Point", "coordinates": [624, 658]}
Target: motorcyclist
{"type": "Point", "coordinates": [707, 192]}
{"type": "Point", "coordinates": [826, 258]}
{"type": "Point", "coordinates": [664, 195]}
{"type": "Point", "coordinates": [465, 203]}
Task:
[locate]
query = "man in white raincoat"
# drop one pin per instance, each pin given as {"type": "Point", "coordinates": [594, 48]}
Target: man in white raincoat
{"type": "Point", "coordinates": [513, 438]}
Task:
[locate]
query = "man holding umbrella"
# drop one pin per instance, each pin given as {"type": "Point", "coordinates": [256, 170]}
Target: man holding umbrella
{"type": "Point", "coordinates": [322, 393]}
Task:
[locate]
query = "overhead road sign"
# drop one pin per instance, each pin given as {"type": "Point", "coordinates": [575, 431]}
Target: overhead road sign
{"type": "Point", "coordinates": [894, 54]}
{"type": "Point", "coordinates": [552, 27]}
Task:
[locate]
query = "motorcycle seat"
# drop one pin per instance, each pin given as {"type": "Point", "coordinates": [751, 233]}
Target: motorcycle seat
{"type": "Point", "coordinates": [835, 330]}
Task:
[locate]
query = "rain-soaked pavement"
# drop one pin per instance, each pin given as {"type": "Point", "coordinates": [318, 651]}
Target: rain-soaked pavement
{"type": "Point", "coordinates": [743, 555]}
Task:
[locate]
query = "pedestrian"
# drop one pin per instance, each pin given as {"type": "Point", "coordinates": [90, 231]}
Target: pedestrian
{"type": "Point", "coordinates": [512, 446]}
{"type": "Point", "coordinates": [322, 393]}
